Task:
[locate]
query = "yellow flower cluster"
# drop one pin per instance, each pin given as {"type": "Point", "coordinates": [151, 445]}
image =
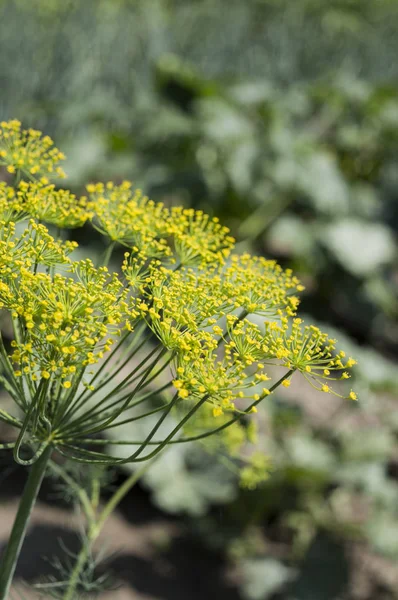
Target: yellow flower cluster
{"type": "Point", "coordinates": [179, 278]}
{"type": "Point", "coordinates": [247, 351]}
{"type": "Point", "coordinates": [154, 231]}
{"type": "Point", "coordinates": [65, 320]}
{"type": "Point", "coordinates": [183, 299]}
{"type": "Point", "coordinates": [27, 150]}
{"type": "Point", "coordinates": [198, 298]}
{"type": "Point", "coordinates": [223, 376]}
{"type": "Point", "coordinates": [55, 206]}
{"type": "Point", "coordinates": [308, 350]}
{"type": "Point", "coordinates": [261, 286]}
{"type": "Point", "coordinates": [199, 239]}
{"type": "Point", "coordinates": [192, 311]}
{"type": "Point", "coordinates": [11, 207]}
{"type": "Point", "coordinates": [127, 216]}
{"type": "Point", "coordinates": [35, 246]}
{"type": "Point", "coordinates": [43, 202]}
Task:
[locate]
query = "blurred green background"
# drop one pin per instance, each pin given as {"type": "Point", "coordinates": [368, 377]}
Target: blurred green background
{"type": "Point", "coordinates": [281, 118]}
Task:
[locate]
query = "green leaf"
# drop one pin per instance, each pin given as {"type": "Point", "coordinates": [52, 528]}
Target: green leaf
{"type": "Point", "coordinates": [290, 235]}
{"type": "Point", "coordinates": [263, 577]}
{"type": "Point", "coordinates": [321, 180]}
{"type": "Point", "coordinates": [382, 530]}
{"type": "Point", "coordinates": [367, 444]}
{"type": "Point", "coordinates": [359, 246]}
{"type": "Point", "coordinates": [309, 453]}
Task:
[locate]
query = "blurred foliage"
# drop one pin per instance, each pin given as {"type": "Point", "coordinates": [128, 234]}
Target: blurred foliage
{"type": "Point", "coordinates": [281, 118]}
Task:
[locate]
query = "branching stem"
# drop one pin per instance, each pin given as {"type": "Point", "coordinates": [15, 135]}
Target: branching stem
{"type": "Point", "coordinates": [96, 528]}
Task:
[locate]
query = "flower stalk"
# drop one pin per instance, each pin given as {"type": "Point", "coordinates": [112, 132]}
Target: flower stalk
{"type": "Point", "coordinates": [96, 526]}
{"type": "Point", "coordinates": [18, 532]}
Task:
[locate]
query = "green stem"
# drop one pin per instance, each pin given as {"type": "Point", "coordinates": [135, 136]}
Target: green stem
{"type": "Point", "coordinates": [120, 493]}
{"type": "Point", "coordinates": [78, 568]}
{"type": "Point", "coordinates": [226, 335]}
{"type": "Point", "coordinates": [10, 557]}
{"type": "Point", "coordinates": [85, 396]}
{"type": "Point", "coordinates": [96, 529]}
{"type": "Point", "coordinates": [80, 492]}
{"type": "Point", "coordinates": [116, 413]}
{"type": "Point", "coordinates": [101, 458]}
{"type": "Point", "coordinates": [107, 254]}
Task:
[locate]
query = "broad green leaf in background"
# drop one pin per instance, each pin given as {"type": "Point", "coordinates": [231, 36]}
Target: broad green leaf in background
{"type": "Point", "coordinates": [263, 577]}
{"type": "Point", "coordinates": [359, 246]}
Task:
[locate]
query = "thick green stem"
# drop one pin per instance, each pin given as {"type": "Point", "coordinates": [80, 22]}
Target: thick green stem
{"type": "Point", "coordinates": [96, 529]}
{"type": "Point", "coordinates": [10, 557]}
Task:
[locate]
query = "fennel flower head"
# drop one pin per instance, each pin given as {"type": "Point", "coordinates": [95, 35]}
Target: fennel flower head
{"type": "Point", "coordinates": [168, 336]}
